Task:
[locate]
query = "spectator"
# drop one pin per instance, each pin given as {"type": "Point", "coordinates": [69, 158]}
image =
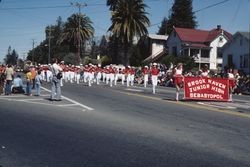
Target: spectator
{"type": "Point", "coordinates": [56, 86]}
{"type": "Point", "coordinates": [18, 85]}
{"type": "Point", "coordinates": [38, 80]}
{"type": "Point", "coordinates": [9, 72]}
{"type": "Point", "coordinates": [28, 83]}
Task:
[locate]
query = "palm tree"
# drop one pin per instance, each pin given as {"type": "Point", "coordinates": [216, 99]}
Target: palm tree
{"type": "Point", "coordinates": [129, 20]}
{"type": "Point", "coordinates": [112, 4]}
{"type": "Point", "coordinates": [77, 29]}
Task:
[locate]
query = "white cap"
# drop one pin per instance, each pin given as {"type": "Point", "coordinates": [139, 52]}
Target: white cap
{"type": "Point", "coordinates": [154, 64]}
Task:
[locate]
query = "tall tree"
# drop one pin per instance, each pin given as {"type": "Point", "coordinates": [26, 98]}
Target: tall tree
{"type": "Point", "coordinates": [182, 15]}
{"type": "Point", "coordinates": [129, 19]}
{"type": "Point", "coordinates": [11, 57]}
{"type": "Point", "coordinates": [163, 27]}
{"type": "Point", "coordinates": [77, 27]}
{"type": "Point", "coordinates": [112, 4]}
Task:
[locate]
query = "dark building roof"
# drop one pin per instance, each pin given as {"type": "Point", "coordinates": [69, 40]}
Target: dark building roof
{"type": "Point", "coordinates": [245, 34]}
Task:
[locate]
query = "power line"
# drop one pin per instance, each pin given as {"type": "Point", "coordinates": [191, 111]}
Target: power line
{"type": "Point", "coordinates": [37, 7]}
{"type": "Point", "coordinates": [210, 6]}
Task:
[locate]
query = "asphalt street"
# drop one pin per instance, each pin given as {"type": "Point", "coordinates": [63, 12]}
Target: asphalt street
{"type": "Point", "coordinates": [100, 126]}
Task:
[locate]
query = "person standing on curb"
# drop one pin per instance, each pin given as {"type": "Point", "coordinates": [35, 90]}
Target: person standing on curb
{"type": "Point", "coordinates": [28, 83]}
{"type": "Point", "coordinates": [9, 72]}
{"type": "Point", "coordinates": [56, 81]}
{"type": "Point", "coordinates": [38, 80]}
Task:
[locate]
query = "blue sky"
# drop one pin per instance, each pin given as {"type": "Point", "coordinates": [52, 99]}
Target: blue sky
{"type": "Point", "coordinates": [20, 22]}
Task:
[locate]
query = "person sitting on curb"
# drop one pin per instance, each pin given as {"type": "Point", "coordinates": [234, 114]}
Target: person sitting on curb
{"type": "Point", "coordinates": [18, 85]}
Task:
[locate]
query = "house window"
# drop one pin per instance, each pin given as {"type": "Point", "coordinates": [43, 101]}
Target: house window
{"type": "Point", "coordinates": [221, 39]}
{"type": "Point", "coordinates": [246, 57]}
{"type": "Point", "coordinates": [174, 50]}
{"type": "Point", "coordinates": [194, 52]}
{"type": "Point", "coordinates": [219, 52]}
{"type": "Point", "coordinates": [230, 60]}
{"type": "Point", "coordinates": [205, 53]}
{"type": "Point", "coordinates": [174, 34]}
{"type": "Point", "coordinates": [241, 41]}
{"type": "Point", "coordinates": [241, 61]}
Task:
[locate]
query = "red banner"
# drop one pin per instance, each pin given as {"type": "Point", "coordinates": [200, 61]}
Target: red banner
{"type": "Point", "coordinates": [197, 88]}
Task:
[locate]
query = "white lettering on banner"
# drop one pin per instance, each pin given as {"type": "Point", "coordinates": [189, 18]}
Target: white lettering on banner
{"type": "Point", "coordinates": [205, 95]}
{"type": "Point", "coordinates": [218, 84]}
{"type": "Point", "coordinates": [200, 87]}
{"type": "Point", "coordinates": [196, 82]}
{"type": "Point", "coordinates": [217, 90]}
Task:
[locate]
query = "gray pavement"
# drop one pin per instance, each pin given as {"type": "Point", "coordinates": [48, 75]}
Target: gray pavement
{"type": "Point", "coordinates": [119, 126]}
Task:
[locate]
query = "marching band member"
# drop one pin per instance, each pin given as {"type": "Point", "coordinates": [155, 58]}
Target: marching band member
{"type": "Point", "coordinates": [111, 75]}
{"type": "Point", "coordinates": [107, 75]}
{"type": "Point", "coordinates": [78, 74]}
{"type": "Point", "coordinates": [132, 76]}
{"type": "Point", "coordinates": [123, 72]}
{"type": "Point", "coordinates": [178, 78]}
{"type": "Point", "coordinates": [154, 76]}
{"type": "Point", "coordinates": [145, 72]}
{"type": "Point", "coordinates": [128, 75]}
{"type": "Point", "coordinates": [232, 83]}
{"type": "Point", "coordinates": [104, 75]}
{"type": "Point", "coordinates": [99, 74]}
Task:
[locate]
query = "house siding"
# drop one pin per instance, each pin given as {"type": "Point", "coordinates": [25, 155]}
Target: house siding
{"type": "Point", "coordinates": [237, 50]}
{"type": "Point", "coordinates": [218, 42]}
{"type": "Point", "coordinates": [174, 41]}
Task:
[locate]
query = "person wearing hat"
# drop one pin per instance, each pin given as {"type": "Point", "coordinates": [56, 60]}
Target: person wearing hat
{"type": "Point", "coordinates": [132, 75]}
{"type": "Point", "coordinates": [178, 79]}
{"type": "Point", "coordinates": [128, 75]}
{"type": "Point", "coordinates": [154, 76]}
{"type": "Point", "coordinates": [232, 83]}
{"type": "Point", "coordinates": [145, 72]}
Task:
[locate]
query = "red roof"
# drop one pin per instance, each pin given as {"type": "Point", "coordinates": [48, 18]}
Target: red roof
{"type": "Point", "coordinates": [200, 36]}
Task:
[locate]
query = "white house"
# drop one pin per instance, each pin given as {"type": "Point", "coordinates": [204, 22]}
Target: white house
{"type": "Point", "coordinates": [156, 45]}
{"type": "Point", "coordinates": [205, 46]}
{"type": "Point", "coordinates": [236, 53]}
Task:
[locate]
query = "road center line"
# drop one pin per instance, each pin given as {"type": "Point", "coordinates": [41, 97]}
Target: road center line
{"type": "Point", "coordinates": [71, 100]}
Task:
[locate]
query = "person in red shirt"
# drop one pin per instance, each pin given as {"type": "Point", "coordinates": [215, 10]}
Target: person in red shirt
{"type": "Point", "coordinates": [154, 76]}
{"type": "Point", "coordinates": [232, 83]}
{"type": "Point", "coordinates": [132, 75]}
{"type": "Point", "coordinates": [127, 75]}
{"type": "Point", "coordinates": [145, 72]}
{"type": "Point", "coordinates": [178, 79]}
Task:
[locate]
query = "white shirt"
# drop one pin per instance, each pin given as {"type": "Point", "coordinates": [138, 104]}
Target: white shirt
{"type": "Point", "coordinates": [55, 69]}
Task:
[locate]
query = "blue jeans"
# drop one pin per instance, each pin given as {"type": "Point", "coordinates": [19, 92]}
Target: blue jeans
{"type": "Point", "coordinates": [38, 89]}
{"type": "Point", "coordinates": [55, 89]}
{"type": "Point", "coordinates": [8, 87]}
{"type": "Point", "coordinates": [28, 88]}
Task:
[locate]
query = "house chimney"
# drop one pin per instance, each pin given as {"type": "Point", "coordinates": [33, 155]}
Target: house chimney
{"type": "Point", "coordinates": [218, 27]}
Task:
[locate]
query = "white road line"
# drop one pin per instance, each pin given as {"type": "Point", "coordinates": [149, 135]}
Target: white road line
{"type": "Point", "coordinates": [28, 100]}
{"type": "Point", "coordinates": [67, 105]}
{"type": "Point", "coordinates": [72, 101]}
{"type": "Point", "coordinates": [134, 90]}
{"type": "Point", "coordinates": [216, 106]}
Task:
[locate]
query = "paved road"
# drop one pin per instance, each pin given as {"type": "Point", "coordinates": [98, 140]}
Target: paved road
{"type": "Point", "coordinates": [100, 126]}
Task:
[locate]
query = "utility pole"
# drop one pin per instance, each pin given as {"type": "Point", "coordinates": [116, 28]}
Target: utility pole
{"type": "Point", "coordinates": [33, 52]}
{"type": "Point", "coordinates": [79, 5]}
{"type": "Point", "coordinates": [49, 38]}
